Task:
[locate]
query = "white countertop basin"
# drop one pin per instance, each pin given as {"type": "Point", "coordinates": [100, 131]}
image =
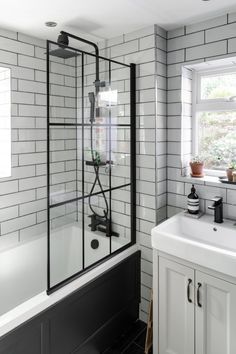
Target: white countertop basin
{"type": "Point", "coordinates": [200, 241]}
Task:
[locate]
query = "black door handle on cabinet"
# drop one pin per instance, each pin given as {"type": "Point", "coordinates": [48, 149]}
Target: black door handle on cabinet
{"type": "Point", "coordinates": [198, 294]}
{"type": "Point", "coordinates": [188, 290]}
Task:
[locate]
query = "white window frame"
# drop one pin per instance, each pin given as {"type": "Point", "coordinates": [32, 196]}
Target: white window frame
{"type": "Point", "coordinates": [201, 105]}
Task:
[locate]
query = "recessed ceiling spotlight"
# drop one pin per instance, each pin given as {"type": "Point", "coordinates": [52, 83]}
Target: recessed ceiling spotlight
{"type": "Point", "coordinates": [50, 24]}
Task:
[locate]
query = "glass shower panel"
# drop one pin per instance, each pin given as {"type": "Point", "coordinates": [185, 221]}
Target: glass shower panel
{"type": "Point", "coordinates": [95, 159]}
{"type": "Point", "coordinates": [121, 218]}
{"type": "Point", "coordinates": [97, 242]}
{"type": "Point", "coordinates": [66, 242]}
{"type": "Point", "coordinates": [120, 83]}
{"type": "Point", "coordinates": [96, 164]}
{"type": "Point", "coordinates": [120, 156]}
{"type": "Point", "coordinates": [65, 162]}
{"type": "Point", "coordinates": [120, 144]}
{"type": "Point", "coordinates": [63, 88]}
{"type": "Point", "coordinates": [89, 94]}
{"type": "Point", "coordinates": [89, 160]}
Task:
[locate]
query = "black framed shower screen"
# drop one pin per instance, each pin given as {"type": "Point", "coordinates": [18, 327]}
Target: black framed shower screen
{"type": "Point", "coordinates": [72, 97]}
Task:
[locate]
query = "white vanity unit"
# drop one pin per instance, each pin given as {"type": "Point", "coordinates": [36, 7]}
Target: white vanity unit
{"type": "Point", "coordinates": [194, 286]}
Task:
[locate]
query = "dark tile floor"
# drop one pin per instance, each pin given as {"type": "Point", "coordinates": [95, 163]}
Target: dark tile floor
{"type": "Point", "coordinates": [131, 342]}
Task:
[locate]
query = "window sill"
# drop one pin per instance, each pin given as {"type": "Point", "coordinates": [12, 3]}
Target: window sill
{"type": "Point", "coordinates": [208, 181]}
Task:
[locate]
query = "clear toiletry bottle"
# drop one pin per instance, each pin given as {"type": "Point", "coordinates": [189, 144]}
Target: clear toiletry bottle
{"type": "Point", "coordinates": [193, 201]}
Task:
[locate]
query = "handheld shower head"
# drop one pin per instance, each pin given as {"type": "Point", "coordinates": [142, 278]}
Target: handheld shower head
{"type": "Point", "coordinates": [92, 106]}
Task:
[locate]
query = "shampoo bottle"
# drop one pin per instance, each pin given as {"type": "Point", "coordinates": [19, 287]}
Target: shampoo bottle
{"type": "Point", "coordinates": [193, 201]}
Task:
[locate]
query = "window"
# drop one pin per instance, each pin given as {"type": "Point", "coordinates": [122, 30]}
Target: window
{"type": "Point", "coordinates": [5, 122]}
{"type": "Point", "coordinates": [214, 117]}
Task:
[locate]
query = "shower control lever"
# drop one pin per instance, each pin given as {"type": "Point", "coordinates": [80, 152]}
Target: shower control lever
{"type": "Point", "coordinates": [99, 83]}
{"type": "Point", "coordinates": [102, 225]}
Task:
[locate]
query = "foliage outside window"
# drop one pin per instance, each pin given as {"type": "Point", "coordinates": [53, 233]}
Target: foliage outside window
{"type": "Point", "coordinates": [214, 113]}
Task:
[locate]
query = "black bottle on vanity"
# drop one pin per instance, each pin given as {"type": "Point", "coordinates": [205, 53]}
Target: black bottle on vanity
{"type": "Point", "coordinates": [193, 201]}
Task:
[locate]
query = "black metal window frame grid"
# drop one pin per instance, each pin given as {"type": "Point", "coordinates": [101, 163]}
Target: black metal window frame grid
{"type": "Point", "coordinates": [132, 184]}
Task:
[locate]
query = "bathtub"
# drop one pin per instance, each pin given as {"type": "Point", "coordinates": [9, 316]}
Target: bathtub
{"type": "Point", "coordinates": [23, 270]}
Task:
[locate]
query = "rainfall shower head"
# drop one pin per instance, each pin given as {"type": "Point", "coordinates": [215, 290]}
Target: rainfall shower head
{"type": "Point", "coordinates": [62, 52]}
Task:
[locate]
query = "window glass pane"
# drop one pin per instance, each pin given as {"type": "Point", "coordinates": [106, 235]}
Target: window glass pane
{"type": "Point", "coordinates": [219, 86]}
{"type": "Point", "coordinates": [217, 138]}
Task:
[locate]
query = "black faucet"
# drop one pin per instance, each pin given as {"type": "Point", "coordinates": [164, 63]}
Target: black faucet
{"type": "Point", "coordinates": [218, 209]}
{"type": "Point", "coordinates": [102, 224]}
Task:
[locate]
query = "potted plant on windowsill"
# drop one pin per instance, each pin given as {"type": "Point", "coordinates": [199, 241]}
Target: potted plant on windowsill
{"type": "Point", "coordinates": [231, 168]}
{"type": "Point", "coordinates": [197, 166]}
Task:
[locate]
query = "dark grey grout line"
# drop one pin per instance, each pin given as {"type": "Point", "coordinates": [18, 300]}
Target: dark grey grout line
{"type": "Point", "coordinates": [148, 261]}
{"type": "Point", "coordinates": [200, 45]}
{"type": "Point", "coordinates": [205, 59]}
{"type": "Point", "coordinates": [158, 35]}
{"type": "Point", "coordinates": [163, 64]}
{"type": "Point", "coordinates": [162, 50]}
{"type": "Point", "coordinates": [204, 29]}
{"type": "Point", "coordinates": [131, 40]}
{"type": "Point", "coordinates": [20, 41]}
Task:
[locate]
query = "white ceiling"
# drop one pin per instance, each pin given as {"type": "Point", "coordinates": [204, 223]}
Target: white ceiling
{"type": "Point", "coordinates": [98, 19]}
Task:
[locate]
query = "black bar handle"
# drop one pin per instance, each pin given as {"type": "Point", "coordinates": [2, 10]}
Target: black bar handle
{"type": "Point", "coordinates": [188, 290]}
{"type": "Point", "coordinates": [198, 294]}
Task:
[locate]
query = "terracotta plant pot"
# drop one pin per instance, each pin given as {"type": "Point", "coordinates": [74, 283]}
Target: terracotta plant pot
{"type": "Point", "coordinates": [197, 169]}
{"type": "Point", "coordinates": [229, 173]}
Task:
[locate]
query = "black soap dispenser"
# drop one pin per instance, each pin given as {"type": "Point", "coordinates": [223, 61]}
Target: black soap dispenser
{"type": "Point", "coordinates": [193, 202]}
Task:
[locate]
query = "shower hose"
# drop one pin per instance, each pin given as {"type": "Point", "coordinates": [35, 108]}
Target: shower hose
{"type": "Point", "coordinates": [97, 180]}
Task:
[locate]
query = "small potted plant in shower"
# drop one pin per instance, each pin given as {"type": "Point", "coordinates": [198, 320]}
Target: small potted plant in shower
{"type": "Point", "coordinates": [197, 166]}
{"type": "Point", "coordinates": [93, 157]}
{"type": "Point", "coordinates": [231, 168]}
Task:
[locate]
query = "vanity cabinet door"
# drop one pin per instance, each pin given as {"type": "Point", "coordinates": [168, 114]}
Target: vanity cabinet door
{"type": "Point", "coordinates": [215, 315]}
{"type": "Point", "coordinates": [176, 308]}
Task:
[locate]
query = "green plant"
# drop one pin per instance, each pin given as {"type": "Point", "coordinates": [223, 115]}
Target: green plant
{"type": "Point", "coordinates": [232, 165]}
{"type": "Point", "coordinates": [96, 157]}
{"type": "Point", "coordinates": [197, 159]}
{"type": "Point", "coordinates": [217, 139]}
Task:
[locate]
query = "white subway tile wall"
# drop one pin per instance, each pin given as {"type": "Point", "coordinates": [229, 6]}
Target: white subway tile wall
{"type": "Point", "coordinates": [21, 200]}
{"type": "Point", "coordinates": [195, 43]}
{"type": "Point", "coordinates": [160, 117]}
{"type": "Point", "coordinates": [147, 48]}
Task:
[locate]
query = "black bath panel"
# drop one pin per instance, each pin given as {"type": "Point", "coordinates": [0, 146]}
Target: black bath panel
{"type": "Point", "coordinates": [86, 321]}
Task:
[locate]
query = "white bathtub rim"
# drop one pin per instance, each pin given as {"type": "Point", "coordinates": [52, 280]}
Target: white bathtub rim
{"type": "Point", "coordinates": [42, 301]}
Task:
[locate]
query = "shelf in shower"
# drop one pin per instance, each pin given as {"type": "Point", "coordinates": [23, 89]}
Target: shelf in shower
{"type": "Point", "coordinates": [88, 125]}
{"type": "Point", "coordinates": [101, 163]}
